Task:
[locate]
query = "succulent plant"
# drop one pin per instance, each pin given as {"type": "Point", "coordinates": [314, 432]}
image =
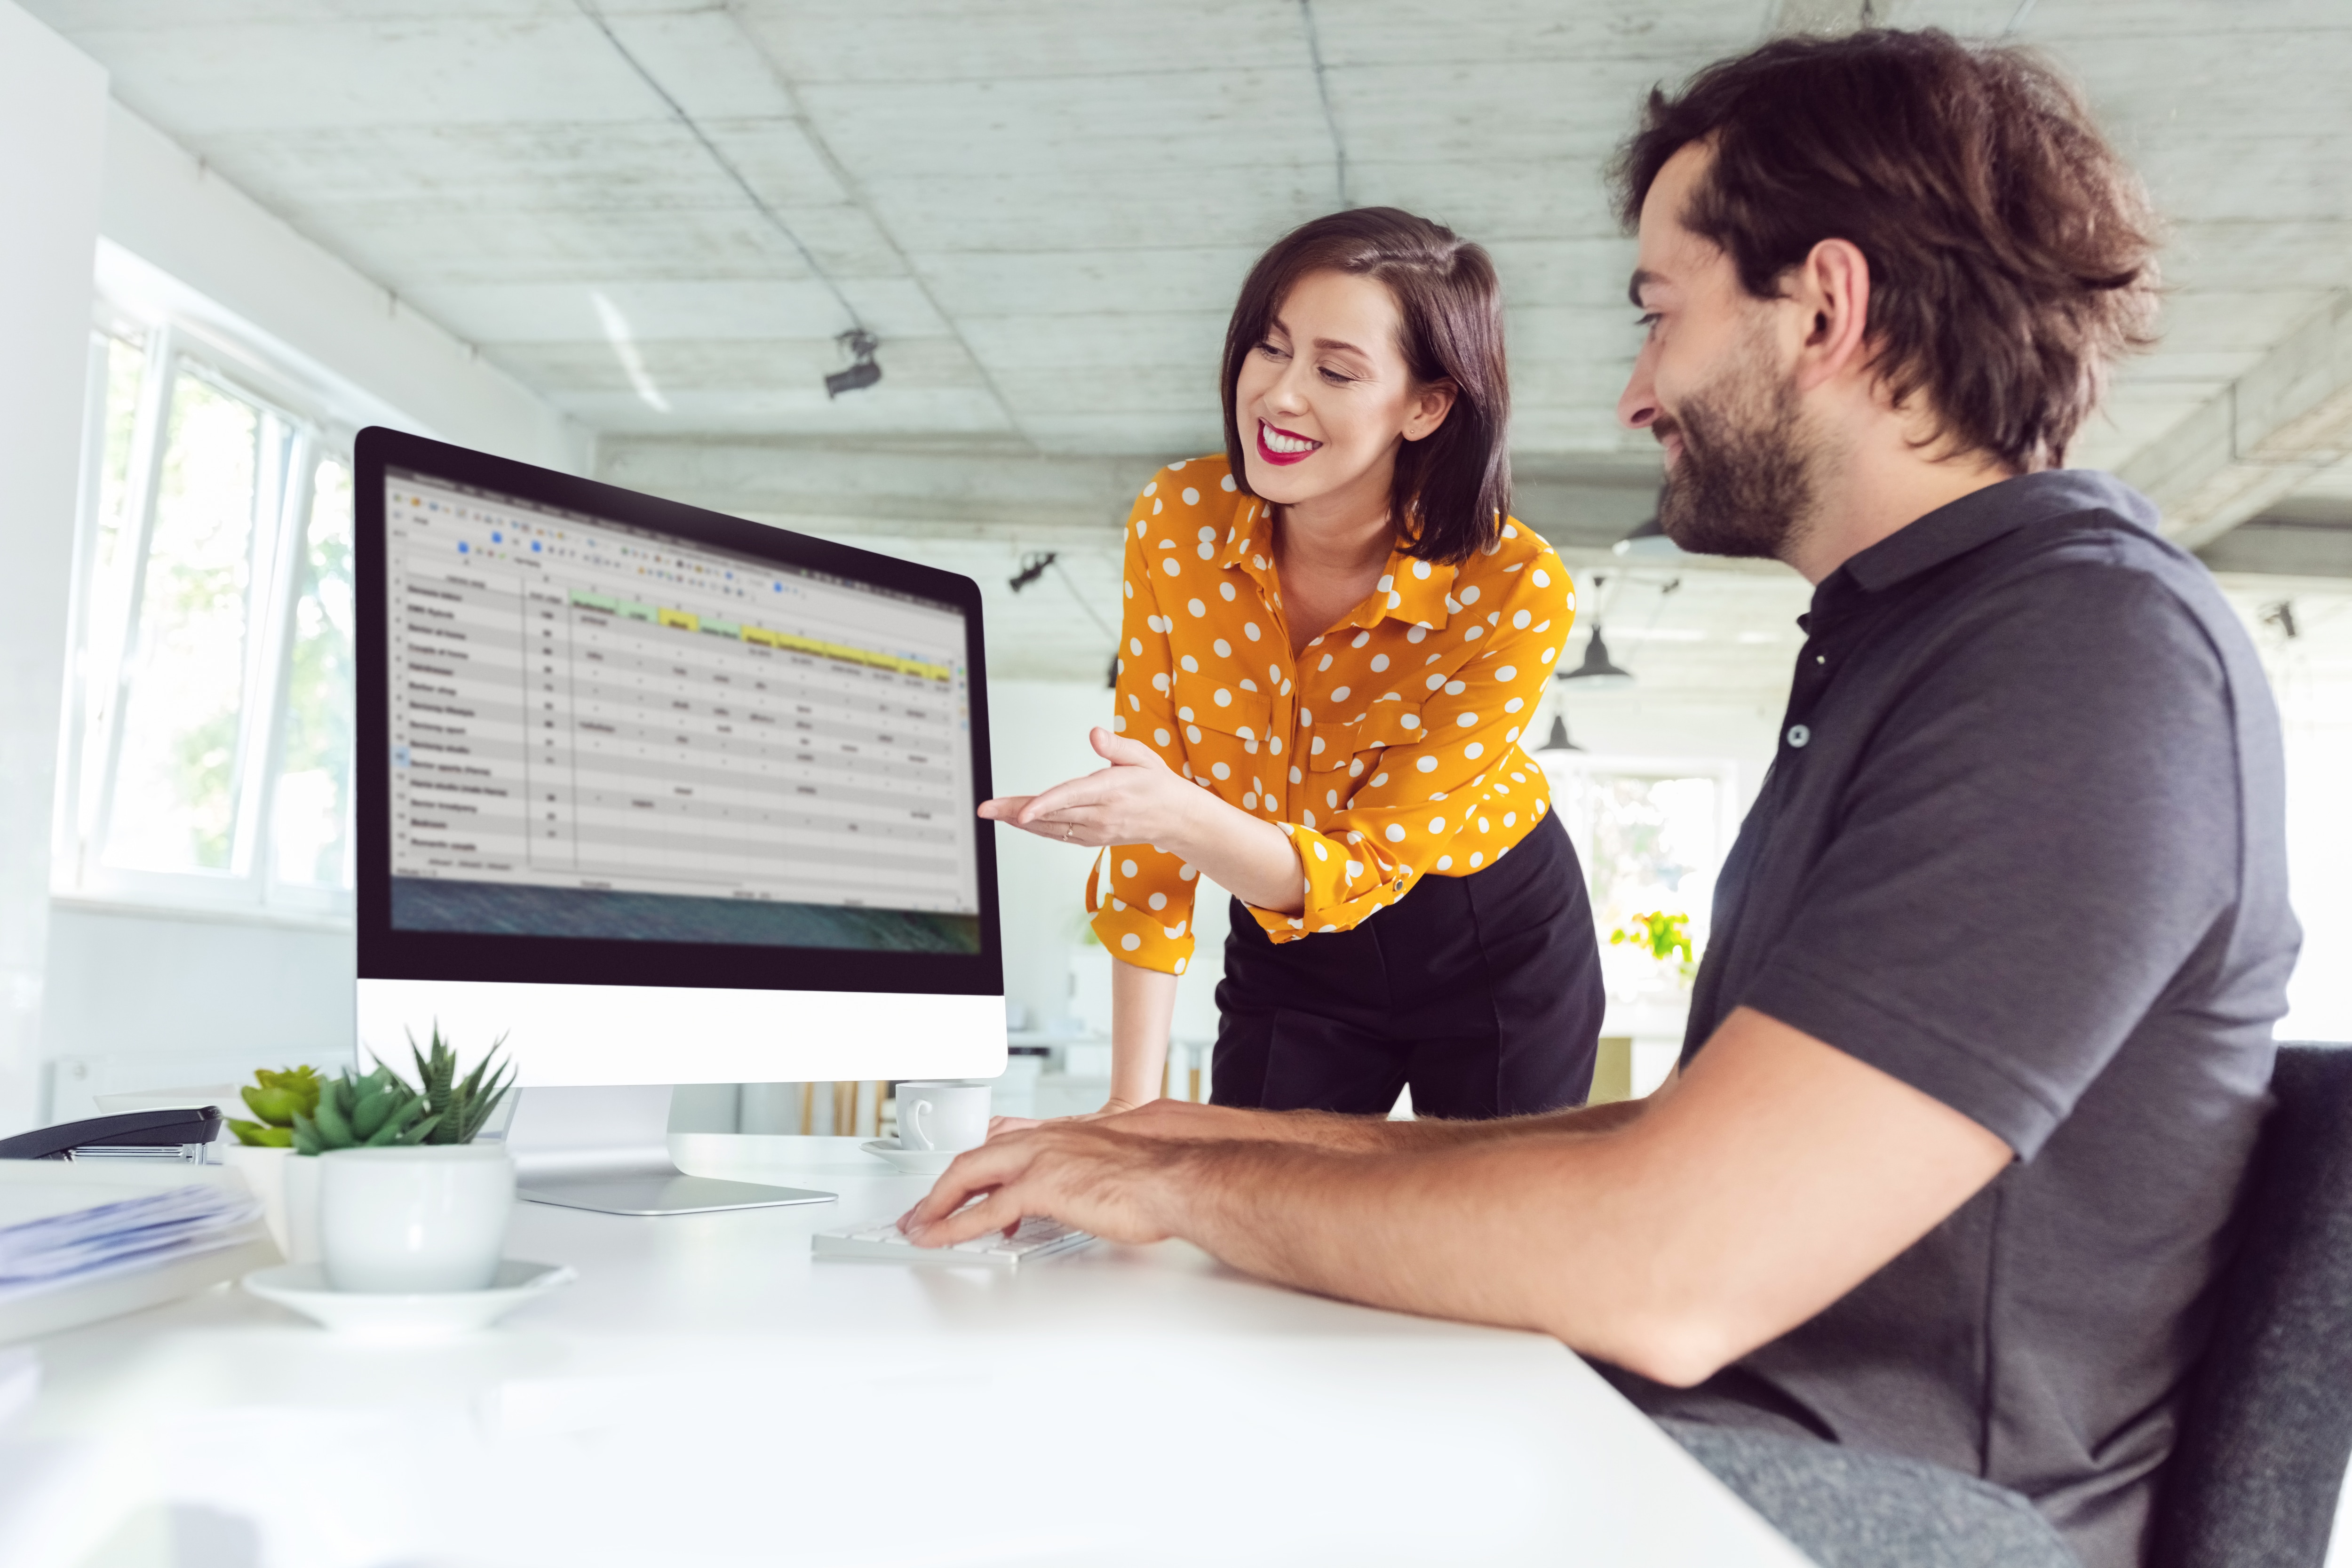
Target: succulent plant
{"type": "Point", "coordinates": [461, 1107]}
{"type": "Point", "coordinates": [376, 1111]}
{"type": "Point", "coordinates": [277, 1097]}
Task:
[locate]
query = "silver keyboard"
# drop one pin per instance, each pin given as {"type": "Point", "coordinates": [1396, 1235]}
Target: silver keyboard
{"type": "Point", "coordinates": [1035, 1238]}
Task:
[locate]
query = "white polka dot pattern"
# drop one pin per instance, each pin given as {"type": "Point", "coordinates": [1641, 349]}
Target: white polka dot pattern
{"type": "Point", "coordinates": [1382, 718]}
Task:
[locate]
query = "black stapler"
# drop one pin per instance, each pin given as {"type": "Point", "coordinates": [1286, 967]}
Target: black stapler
{"type": "Point", "coordinates": [179, 1134]}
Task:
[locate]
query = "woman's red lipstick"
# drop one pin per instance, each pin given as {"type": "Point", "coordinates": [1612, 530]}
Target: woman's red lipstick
{"type": "Point", "coordinates": [1282, 459]}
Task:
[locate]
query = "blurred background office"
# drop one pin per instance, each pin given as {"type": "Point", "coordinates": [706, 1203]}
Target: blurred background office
{"type": "Point", "coordinates": [947, 280]}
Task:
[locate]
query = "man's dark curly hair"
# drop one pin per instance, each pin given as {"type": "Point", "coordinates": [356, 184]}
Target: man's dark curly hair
{"type": "Point", "coordinates": [2011, 251]}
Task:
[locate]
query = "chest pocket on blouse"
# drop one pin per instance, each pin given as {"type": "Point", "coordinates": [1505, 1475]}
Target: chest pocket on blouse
{"type": "Point", "coordinates": [1226, 707]}
{"type": "Point", "coordinates": [1331, 746]}
{"type": "Point", "coordinates": [1384, 724]}
{"type": "Point", "coordinates": [1390, 724]}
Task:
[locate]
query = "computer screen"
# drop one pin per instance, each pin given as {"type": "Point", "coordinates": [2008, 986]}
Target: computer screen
{"type": "Point", "coordinates": [611, 732]}
{"type": "Point", "coordinates": [611, 741]}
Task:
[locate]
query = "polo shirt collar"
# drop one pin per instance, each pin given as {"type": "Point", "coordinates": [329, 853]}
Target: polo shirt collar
{"type": "Point", "coordinates": [1982, 516]}
{"type": "Point", "coordinates": [1410, 589]}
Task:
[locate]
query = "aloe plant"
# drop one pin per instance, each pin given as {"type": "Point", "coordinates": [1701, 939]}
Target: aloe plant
{"type": "Point", "coordinates": [377, 1111]}
{"type": "Point", "coordinates": [276, 1099]}
{"type": "Point", "coordinates": [461, 1107]}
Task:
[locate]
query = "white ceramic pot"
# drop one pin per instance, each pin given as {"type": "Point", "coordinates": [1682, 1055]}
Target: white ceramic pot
{"type": "Point", "coordinates": [415, 1220]}
{"type": "Point", "coordinates": [300, 1177]}
{"type": "Point", "coordinates": [264, 1171]}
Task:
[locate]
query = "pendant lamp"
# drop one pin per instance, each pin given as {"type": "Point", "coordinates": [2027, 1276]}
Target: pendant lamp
{"type": "Point", "coordinates": [1597, 673]}
{"type": "Point", "coordinates": [1558, 739]}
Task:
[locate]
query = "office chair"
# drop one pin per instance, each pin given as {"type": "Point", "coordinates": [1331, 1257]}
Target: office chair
{"type": "Point", "coordinates": [2267, 1429]}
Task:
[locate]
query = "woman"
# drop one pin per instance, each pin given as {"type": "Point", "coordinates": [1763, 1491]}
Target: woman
{"type": "Point", "coordinates": [1333, 639]}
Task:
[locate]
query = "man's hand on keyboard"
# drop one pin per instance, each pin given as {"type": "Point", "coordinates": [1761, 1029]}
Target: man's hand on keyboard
{"type": "Point", "coordinates": [1112, 1185]}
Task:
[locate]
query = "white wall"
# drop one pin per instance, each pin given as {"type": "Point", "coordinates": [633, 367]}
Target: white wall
{"type": "Point", "coordinates": [52, 144]}
{"type": "Point", "coordinates": [1037, 737]}
{"type": "Point", "coordinates": [142, 1001]}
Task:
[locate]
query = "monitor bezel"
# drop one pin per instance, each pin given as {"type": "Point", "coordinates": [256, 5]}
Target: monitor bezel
{"type": "Point", "coordinates": [386, 952]}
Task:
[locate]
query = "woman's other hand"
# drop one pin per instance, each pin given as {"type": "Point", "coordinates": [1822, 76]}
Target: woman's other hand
{"type": "Point", "coordinates": [1136, 800]}
{"type": "Point", "coordinates": [998, 1126]}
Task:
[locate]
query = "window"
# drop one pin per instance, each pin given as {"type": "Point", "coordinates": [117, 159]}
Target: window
{"type": "Point", "coordinates": [1652, 835]}
{"type": "Point", "coordinates": [208, 711]}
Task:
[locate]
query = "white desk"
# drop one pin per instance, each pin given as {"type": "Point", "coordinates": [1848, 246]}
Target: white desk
{"type": "Point", "coordinates": [708, 1394]}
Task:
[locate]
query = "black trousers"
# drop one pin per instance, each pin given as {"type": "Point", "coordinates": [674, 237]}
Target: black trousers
{"type": "Point", "coordinates": [1482, 992]}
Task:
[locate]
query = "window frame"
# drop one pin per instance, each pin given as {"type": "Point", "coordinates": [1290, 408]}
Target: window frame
{"type": "Point", "coordinates": [99, 678]}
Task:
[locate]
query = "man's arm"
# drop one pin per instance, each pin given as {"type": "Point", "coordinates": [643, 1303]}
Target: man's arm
{"type": "Point", "coordinates": [1778, 1174]}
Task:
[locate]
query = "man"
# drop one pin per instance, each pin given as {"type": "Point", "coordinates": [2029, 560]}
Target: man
{"type": "Point", "coordinates": [1925, 1223]}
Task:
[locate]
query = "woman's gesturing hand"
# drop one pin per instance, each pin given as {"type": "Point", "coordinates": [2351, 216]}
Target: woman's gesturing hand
{"type": "Point", "coordinates": [1136, 800]}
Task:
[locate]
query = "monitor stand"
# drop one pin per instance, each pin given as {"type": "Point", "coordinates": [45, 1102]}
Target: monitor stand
{"type": "Point", "coordinates": [607, 1150]}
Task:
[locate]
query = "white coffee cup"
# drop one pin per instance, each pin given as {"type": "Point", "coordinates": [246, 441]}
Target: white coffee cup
{"type": "Point", "coordinates": [409, 1221]}
{"type": "Point", "coordinates": [942, 1115]}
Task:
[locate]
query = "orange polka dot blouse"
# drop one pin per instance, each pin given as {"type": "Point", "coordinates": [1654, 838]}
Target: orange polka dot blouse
{"type": "Point", "coordinates": [1389, 749]}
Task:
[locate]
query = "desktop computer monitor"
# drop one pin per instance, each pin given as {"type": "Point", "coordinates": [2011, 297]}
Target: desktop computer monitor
{"type": "Point", "coordinates": [660, 795]}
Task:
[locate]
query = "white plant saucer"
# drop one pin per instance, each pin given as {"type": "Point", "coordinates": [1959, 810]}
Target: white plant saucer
{"type": "Point", "coordinates": [914, 1161]}
{"type": "Point", "coordinates": [303, 1286]}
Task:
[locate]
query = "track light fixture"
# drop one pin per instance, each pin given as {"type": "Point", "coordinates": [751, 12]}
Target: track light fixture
{"type": "Point", "coordinates": [1033, 567]}
{"type": "Point", "coordinates": [863, 372]}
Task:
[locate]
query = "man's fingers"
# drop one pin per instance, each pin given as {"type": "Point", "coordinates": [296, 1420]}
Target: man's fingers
{"type": "Point", "coordinates": [974, 1171]}
{"type": "Point", "coordinates": [1000, 1210]}
{"type": "Point", "coordinates": [999, 1126]}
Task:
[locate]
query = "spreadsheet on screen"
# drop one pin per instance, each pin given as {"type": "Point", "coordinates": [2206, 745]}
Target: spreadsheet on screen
{"type": "Point", "coordinates": [599, 730]}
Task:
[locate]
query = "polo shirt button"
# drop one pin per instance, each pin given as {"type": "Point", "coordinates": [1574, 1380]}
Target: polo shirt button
{"type": "Point", "coordinates": [1799, 735]}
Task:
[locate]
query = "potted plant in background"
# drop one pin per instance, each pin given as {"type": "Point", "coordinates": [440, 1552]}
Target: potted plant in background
{"type": "Point", "coordinates": [265, 1144]}
{"type": "Point", "coordinates": [1665, 937]}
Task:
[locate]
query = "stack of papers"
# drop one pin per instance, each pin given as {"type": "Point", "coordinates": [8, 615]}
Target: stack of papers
{"type": "Point", "coordinates": [55, 1235]}
{"type": "Point", "coordinates": [78, 1243]}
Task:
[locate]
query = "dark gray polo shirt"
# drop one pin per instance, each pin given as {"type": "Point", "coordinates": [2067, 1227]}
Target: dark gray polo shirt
{"type": "Point", "coordinates": [2022, 848]}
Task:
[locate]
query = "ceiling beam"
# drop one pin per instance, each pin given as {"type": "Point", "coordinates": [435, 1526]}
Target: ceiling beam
{"type": "Point", "coordinates": [2260, 438]}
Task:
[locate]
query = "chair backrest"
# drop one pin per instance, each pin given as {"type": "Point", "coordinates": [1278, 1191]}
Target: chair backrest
{"type": "Point", "coordinates": [2267, 1429]}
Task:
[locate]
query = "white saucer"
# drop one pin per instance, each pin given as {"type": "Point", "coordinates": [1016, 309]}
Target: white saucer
{"type": "Point", "coordinates": [304, 1287]}
{"type": "Point", "coordinates": [914, 1161]}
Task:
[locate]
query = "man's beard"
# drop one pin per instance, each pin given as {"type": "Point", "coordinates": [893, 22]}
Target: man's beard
{"type": "Point", "coordinates": [1743, 485]}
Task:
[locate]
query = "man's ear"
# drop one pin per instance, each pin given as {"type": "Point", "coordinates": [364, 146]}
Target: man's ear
{"type": "Point", "coordinates": [1831, 288]}
{"type": "Point", "coordinates": [1430, 407]}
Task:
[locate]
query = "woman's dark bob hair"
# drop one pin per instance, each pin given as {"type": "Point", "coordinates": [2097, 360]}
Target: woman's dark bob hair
{"type": "Point", "coordinates": [1453, 486]}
